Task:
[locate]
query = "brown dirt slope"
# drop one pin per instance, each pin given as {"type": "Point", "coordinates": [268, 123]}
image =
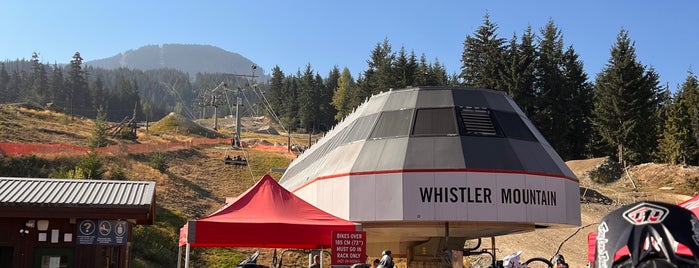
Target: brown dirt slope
{"type": "Point", "coordinates": [650, 180]}
{"type": "Point", "coordinates": [197, 182]}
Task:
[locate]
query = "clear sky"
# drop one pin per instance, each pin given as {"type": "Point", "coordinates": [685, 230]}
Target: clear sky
{"type": "Point", "coordinates": [326, 33]}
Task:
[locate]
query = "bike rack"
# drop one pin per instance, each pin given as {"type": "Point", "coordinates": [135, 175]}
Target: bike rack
{"type": "Point", "coordinates": [473, 251]}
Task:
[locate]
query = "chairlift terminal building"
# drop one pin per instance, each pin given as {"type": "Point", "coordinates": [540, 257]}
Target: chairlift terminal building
{"type": "Point", "coordinates": [421, 163]}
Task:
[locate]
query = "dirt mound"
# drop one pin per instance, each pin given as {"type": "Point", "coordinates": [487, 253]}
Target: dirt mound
{"type": "Point", "coordinates": [176, 124]}
{"type": "Point", "coordinates": [267, 130]}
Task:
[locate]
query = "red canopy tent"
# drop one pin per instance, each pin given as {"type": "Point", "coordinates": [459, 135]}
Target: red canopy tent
{"type": "Point", "coordinates": [265, 216]}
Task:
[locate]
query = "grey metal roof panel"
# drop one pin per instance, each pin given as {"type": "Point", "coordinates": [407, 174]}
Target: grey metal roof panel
{"type": "Point", "coordinates": [497, 102]}
{"type": "Point", "coordinates": [434, 152]}
{"type": "Point", "coordinates": [361, 129]}
{"type": "Point", "coordinates": [375, 105]}
{"type": "Point", "coordinates": [472, 98]}
{"type": "Point", "coordinates": [559, 161]}
{"type": "Point", "coordinates": [434, 98]}
{"type": "Point", "coordinates": [393, 154]}
{"type": "Point", "coordinates": [401, 99]}
{"type": "Point", "coordinates": [536, 132]}
{"type": "Point", "coordinates": [534, 157]}
{"type": "Point", "coordinates": [68, 192]}
{"type": "Point", "coordinates": [488, 153]}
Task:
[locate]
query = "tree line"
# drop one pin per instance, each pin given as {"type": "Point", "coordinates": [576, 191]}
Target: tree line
{"type": "Point", "coordinates": [624, 112]}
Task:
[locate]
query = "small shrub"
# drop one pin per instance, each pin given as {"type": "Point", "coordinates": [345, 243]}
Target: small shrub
{"type": "Point", "coordinates": [158, 162]}
{"type": "Point", "coordinates": [118, 175]}
{"type": "Point", "coordinates": [607, 172]}
{"type": "Point", "coordinates": [90, 167]}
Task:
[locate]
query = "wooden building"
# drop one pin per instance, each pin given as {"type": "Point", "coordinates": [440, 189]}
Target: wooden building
{"type": "Point", "coordinates": [58, 223]}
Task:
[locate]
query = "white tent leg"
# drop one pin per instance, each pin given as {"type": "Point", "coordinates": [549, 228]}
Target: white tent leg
{"type": "Point", "coordinates": [179, 256]}
{"type": "Point", "coordinates": [186, 257]}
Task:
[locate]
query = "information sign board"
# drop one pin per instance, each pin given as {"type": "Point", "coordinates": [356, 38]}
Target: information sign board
{"type": "Point", "coordinates": [102, 232]}
{"type": "Point", "coordinates": [348, 248]}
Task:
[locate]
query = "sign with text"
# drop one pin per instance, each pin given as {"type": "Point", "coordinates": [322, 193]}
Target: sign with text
{"type": "Point", "coordinates": [348, 248]}
{"type": "Point", "coordinates": [102, 232]}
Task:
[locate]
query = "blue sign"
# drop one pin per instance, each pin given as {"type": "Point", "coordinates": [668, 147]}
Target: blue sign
{"type": "Point", "coordinates": [102, 232]}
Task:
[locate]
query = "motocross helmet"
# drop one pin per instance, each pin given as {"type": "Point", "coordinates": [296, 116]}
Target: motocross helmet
{"type": "Point", "coordinates": [648, 234]}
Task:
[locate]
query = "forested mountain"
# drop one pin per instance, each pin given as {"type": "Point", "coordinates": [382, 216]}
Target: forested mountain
{"type": "Point", "coordinates": [191, 59]}
{"type": "Point", "coordinates": [624, 113]}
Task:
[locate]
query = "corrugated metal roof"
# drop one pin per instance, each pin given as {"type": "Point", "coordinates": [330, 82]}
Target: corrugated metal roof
{"type": "Point", "coordinates": [69, 192]}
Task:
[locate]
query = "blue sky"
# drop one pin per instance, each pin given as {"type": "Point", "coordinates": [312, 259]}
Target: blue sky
{"type": "Point", "coordinates": [325, 33]}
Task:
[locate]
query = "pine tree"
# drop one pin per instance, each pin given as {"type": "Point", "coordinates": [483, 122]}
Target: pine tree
{"type": "Point", "coordinates": [626, 102]}
{"type": "Point", "coordinates": [676, 144]}
{"type": "Point", "coordinates": [308, 100]}
{"type": "Point", "coordinates": [380, 76]}
{"type": "Point", "coordinates": [405, 66]}
{"type": "Point", "coordinates": [518, 75]}
{"type": "Point", "coordinates": [39, 81]}
{"type": "Point", "coordinates": [326, 112]}
{"type": "Point", "coordinates": [483, 57]}
{"type": "Point", "coordinates": [553, 98]}
{"type": "Point", "coordinates": [422, 72]}
{"type": "Point", "coordinates": [77, 88]}
{"type": "Point", "coordinates": [56, 87]}
{"type": "Point", "coordinates": [344, 98]}
{"type": "Point", "coordinates": [275, 94]}
{"type": "Point", "coordinates": [290, 113]}
{"type": "Point", "coordinates": [437, 74]}
{"type": "Point", "coordinates": [4, 81]}
{"type": "Point", "coordinates": [691, 104]}
{"type": "Point", "coordinates": [579, 106]}
{"type": "Point", "coordinates": [98, 138]}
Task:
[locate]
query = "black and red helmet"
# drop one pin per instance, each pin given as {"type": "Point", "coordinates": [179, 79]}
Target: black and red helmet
{"type": "Point", "coordinates": [648, 234]}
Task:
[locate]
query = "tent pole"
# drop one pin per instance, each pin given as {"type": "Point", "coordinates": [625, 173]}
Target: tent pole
{"type": "Point", "coordinates": [179, 256]}
{"type": "Point", "coordinates": [186, 257]}
{"type": "Point", "coordinates": [321, 256]}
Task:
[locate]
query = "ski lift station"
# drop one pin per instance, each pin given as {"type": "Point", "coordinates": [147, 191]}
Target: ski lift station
{"type": "Point", "coordinates": [424, 169]}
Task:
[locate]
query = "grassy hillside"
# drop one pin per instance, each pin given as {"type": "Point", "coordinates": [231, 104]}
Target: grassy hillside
{"type": "Point", "coordinates": [196, 182]}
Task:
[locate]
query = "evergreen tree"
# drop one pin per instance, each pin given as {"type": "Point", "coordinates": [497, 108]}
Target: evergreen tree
{"type": "Point", "coordinates": [579, 109]}
{"type": "Point", "coordinates": [328, 87]}
{"type": "Point", "coordinates": [518, 75]}
{"type": "Point", "coordinates": [678, 142]}
{"type": "Point", "coordinates": [483, 57]}
{"type": "Point", "coordinates": [4, 81]}
{"type": "Point", "coordinates": [422, 72]}
{"type": "Point", "coordinates": [290, 112]}
{"type": "Point", "coordinates": [690, 102]}
{"type": "Point", "coordinates": [626, 102]}
{"type": "Point", "coordinates": [77, 87]}
{"type": "Point", "coordinates": [14, 87]}
{"type": "Point", "coordinates": [90, 168]}
{"type": "Point", "coordinates": [380, 76]}
{"type": "Point", "coordinates": [277, 100]}
{"type": "Point", "coordinates": [98, 138]}
{"type": "Point", "coordinates": [553, 98]}
{"type": "Point", "coordinates": [308, 100]}
{"type": "Point", "coordinates": [98, 92]}
{"type": "Point", "coordinates": [56, 87]}
{"type": "Point", "coordinates": [405, 67]}
{"type": "Point", "coordinates": [344, 98]}
{"type": "Point", "coordinates": [437, 74]}
{"type": "Point", "coordinates": [39, 81]}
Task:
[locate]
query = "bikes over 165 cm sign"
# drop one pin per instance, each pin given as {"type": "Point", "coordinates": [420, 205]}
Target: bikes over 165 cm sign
{"type": "Point", "coordinates": [348, 248]}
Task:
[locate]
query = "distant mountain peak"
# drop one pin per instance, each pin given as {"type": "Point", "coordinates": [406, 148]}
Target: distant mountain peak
{"type": "Point", "coordinates": [189, 58]}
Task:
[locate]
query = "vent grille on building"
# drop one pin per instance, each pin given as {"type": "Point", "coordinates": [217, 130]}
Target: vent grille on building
{"type": "Point", "coordinates": [477, 121]}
